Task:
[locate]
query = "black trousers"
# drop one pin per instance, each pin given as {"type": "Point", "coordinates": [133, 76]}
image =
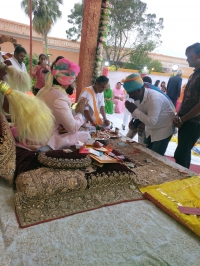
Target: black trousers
{"type": "Point", "coordinates": [159, 146]}
{"type": "Point", "coordinates": [188, 134]}
{"type": "Point", "coordinates": [174, 101]}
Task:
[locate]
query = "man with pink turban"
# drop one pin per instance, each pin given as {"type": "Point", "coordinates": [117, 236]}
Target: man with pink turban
{"type": "Point", "coordinates": [54, 94]}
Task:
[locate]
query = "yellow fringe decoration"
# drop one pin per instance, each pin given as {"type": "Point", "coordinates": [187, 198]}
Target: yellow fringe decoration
{"type": "Point", "coordinates": [33, 119]}
{"type": "Point", "coordinates": [18, 79]}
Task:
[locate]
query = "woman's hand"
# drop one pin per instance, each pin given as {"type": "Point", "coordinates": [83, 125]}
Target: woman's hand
{"type": "Point", "coordinates": [81, 105]}
{"type": "Point", "coordinates": [44, 64]}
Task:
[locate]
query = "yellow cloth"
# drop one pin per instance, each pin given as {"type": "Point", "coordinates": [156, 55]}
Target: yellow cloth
{"type": "Point", "coordinates": [96, 112]}
{"type": "Point", "coordinates": [183, 192]}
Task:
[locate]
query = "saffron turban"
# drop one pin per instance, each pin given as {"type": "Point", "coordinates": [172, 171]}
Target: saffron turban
{"type": "Point", "coordinates": [133, 82]}
{"type": "Point", "coordinates": [65, 71]}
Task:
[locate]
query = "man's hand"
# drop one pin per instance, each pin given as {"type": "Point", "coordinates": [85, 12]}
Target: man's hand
{"type": "Point", "coordinates": [176, 122]}
{"type": "Point", "coordinates": [81, 105]}
{"type": "Point", "coordinates": [130, 106]}
{"type": "Point", "coordinates": [131, 126]}
{"type": "Point", "coordinates": [141, 128]}
{"type": "Point", "coordinates": [61, 129]}
{"type": "Point", "coordinates": [107, 122]}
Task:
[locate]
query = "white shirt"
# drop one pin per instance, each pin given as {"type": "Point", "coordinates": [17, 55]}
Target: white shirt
{"type": "Point", "coordinates": [156, 113]}
{"type": "Point", "coordinates": [16, 64]}
{"type": "Point", "coordinates": [99, 101]}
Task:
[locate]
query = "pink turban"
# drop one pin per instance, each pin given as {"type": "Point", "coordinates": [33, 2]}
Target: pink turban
{"type": "Point", "coordinates": [65, 71]}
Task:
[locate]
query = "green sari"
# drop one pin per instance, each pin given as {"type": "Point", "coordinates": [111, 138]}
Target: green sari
{"type": "Point", "coordinates": [108, 105]}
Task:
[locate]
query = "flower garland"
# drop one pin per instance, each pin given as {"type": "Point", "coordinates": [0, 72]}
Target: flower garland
{"type": "Point", "coordinates": [104, 28]}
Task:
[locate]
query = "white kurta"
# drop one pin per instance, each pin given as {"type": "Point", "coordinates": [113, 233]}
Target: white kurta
{"type": "Point", "coordinates": [99, 101]}
{"type": "Point", "coordinates": [156, 112]}
{"type": "Point", "coordinates": [16, 64]}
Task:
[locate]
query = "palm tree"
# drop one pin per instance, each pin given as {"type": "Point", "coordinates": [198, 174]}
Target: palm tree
{"type": "Point", "coordinates": [45, 12]}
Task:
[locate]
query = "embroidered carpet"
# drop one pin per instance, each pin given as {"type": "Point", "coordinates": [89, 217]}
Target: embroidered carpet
{"type": "Point", "coordinates": [109, 185]}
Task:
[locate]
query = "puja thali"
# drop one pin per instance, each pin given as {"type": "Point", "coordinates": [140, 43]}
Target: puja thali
{"type": "Point", "coordinates": [105, 135]}
{"type": "Point", "coordinates": [113, 134]}
{"type": "Point", "coordinates": [101, 135]}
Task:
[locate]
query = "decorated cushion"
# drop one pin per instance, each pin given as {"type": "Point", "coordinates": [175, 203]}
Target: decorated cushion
{"type": "Point", "coordinates": [62, 160]}
{"type": "Point", "coordinates": [178, 198]}
{"type": "Point", "coordinates": [45, 182]}
{"type": "Point", "coordinates": [7, 151]}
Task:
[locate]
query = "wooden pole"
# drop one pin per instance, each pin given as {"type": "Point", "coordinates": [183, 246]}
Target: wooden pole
{"type": "Point", "coordinates": [90, 26]}
{"type": "Point", "coordinates": [31, 41]}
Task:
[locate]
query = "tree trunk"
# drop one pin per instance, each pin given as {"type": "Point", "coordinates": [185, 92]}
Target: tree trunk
{"type": "Point", "coordinates": [46, 48]}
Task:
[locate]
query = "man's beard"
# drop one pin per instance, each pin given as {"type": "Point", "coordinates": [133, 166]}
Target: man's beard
{"type": "Point", "coordinates": [69, 90]}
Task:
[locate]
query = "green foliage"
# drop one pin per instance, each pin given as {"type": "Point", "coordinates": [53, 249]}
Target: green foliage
{"type": "Point", "coordinates": [35, 60]}
{"type": "Point", "coordinates": [140, 58]}
{"type": "Point", "coordinates": [156, 66]}
{"type": "Point", "coordinates": [139, 62]}
{"type": "Point", "coordinates": [130, 27]}
{"type": "Point", "coordinates": [75, 18]}
{"type": "Point", "coordinates": [46, 13]}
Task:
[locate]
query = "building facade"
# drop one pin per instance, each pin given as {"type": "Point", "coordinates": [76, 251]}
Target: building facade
{"type": "Point", "coordinates": [21, 32]}
{"type": "Point", "coordinates": [69, 49]}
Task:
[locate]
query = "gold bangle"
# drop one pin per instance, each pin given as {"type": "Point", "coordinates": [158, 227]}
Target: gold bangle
{"type": "Point", "coordinates": [9, 90]}
{"type": "Point", "coordinates": [5, 88]}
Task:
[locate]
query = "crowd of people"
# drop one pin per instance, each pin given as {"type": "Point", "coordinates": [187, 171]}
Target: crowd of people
{"type": "Point", "coordinates": [149, 108]}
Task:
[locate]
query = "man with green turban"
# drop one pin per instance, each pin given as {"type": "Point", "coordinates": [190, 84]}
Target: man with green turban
{"type": "Point", "coordinates": [153, 109]}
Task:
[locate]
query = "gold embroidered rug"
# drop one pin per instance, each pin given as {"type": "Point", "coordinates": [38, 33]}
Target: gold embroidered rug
{"type": "Point", "coordinates": [46, 194]}
{"type": "Point", "coordinates": [104, 190]}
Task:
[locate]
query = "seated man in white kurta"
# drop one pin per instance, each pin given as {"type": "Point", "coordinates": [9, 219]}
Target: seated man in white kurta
{"type": "Point", "coordinates": [94, 95]}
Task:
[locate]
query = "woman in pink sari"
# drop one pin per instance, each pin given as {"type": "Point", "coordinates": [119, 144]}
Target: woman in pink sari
{"type": "Point", "coordinates": [118, 98]}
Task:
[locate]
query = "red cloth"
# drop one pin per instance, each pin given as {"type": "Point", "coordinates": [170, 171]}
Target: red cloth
{"type": "Point", "coordinates": [72, 97]}
{"type": "Point", "coordinates": [3, 72]}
